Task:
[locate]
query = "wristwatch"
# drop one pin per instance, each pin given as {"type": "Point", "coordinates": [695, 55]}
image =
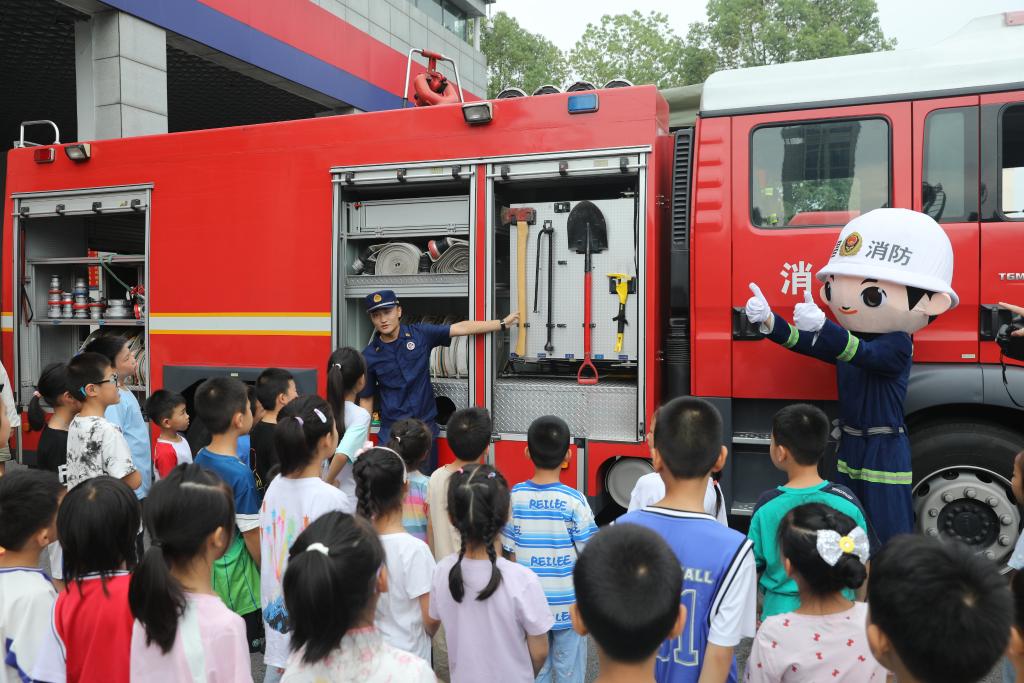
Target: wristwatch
{"type": "Point", "coordinates": [503, 325]}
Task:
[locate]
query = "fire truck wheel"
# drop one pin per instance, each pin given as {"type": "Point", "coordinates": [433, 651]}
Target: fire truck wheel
{"type": "Point", "coordinates": [962, 473]}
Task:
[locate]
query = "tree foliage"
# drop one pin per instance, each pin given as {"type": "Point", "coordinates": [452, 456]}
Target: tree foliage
{"type": "Point", "coordinates": [516, 57]}
{"type": "Point", "coordinates": [641, 48]}
{"type": "Point", "coordinates": [741, 33]}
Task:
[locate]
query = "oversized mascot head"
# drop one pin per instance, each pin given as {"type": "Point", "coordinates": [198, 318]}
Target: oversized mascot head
{"type": "Point", "coordinates": [891, 271]}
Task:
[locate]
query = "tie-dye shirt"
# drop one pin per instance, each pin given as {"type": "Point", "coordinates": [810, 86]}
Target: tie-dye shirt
{"type": "Point", "coordinates": [414, 507]}
{"type": "Point", "coordinates": [289, 506]}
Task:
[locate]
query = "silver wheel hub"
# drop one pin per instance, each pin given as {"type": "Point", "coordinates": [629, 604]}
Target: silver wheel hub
{"type": "Point", "coordinates": [972, 505]}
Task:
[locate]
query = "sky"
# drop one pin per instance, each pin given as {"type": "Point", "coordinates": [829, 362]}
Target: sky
{"type": "Point", "coordinates": [914, 23]}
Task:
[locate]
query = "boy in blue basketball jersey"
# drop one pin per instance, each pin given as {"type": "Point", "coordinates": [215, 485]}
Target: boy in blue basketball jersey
{"type": "Point", "coordinates": [719, 578]}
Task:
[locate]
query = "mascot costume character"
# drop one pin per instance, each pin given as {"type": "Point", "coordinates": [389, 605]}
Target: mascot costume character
{"type": "Point", "coordinates": [890, 275]}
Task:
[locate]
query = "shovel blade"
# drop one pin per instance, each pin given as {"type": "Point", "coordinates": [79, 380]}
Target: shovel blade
{"type": "Point", "coordinates": [586, 225]}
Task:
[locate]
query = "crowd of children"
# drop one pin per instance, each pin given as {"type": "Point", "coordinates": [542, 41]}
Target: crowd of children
{"type": "Point", "coordinates": [290, 534]}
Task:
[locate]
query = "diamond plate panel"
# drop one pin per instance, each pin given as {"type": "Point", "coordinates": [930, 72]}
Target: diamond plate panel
{"type": "Point", "coordinates": [604, 411]}
{"type": "Point", "coordinates": [455, 389]}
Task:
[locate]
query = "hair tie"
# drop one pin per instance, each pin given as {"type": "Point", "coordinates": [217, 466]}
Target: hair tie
{"type": "Point", "coordinates": [492, 474]}
{"type": "Point", "coordinates": [397, 439]}
{"type": "Point", "coordinates": [832, 546]}
{"type": "Point", "coordinates": [460, 471]}
{"type": "Point", "coordinates": [37, 394]}
{"type": "Point", "coordinates": [337, 365]}
{"type": "Point", "coordinates": [320, 415]}
{"type": "Point", "coordinates": [299, 420]}
{"type": "Point", "coordinates": [318, 547]}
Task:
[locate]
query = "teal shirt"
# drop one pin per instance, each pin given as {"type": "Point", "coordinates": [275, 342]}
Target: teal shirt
{"type": "Point", "coordinates": [779, 591]}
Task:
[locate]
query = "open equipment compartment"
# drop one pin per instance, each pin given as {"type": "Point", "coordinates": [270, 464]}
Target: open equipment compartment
{"type": "Point", "coordinates": [408, 228]}
{"type": "Point", "coordinates": [99, 235]}
{"type": "Point", "coordinates": [544, 378]}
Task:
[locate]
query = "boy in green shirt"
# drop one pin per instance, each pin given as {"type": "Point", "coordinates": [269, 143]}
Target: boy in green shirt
{"type": "Point", "coordinates": [799, 438]}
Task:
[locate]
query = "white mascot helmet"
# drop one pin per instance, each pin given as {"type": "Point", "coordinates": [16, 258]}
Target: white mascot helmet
{"type": "Point", "coordinates": [896, 245]}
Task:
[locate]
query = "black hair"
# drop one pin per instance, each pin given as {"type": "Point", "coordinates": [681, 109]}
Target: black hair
{"type": "Point", "coordinates": [109, 345]}
{"type": "Point", "coordinates": [802, 429]}
{"type": "Point", "coordinates": [343, 580]}
{"type": "Point", "coordinates": [688, 435]}
{"type": "Point", "coordinates": [181, 512]}
{"type": "Point", "coordinates": [97, 525]}
{"type": "Point", "coordinates": [161, 404]}
{"type": "Point", "coordinates": [411, 438]}
{"type": "Point", "coordinates": [254, 401]}
{"type": "Point", "coordinates": [300, 426]}
{"type": "Point", "coordinates": [84, 369]}
{"type": "Point", "coordinates": [344, 368]}
{"type": "Point", "coordinates": [469, 433]}
{"type": "Point", "coordinates": [52, 385]}
{"type": "Point", "coordinates": [380, 476]}
{"type": "Point", "coordinates": [628, 586]}
{"type": "Point", "coordinates": [478, 501]}
{"type": "Point", "coordinates": [218, 400]}
{"type": "Point", "coordinates": [798, 540]}
{"type": "Point", "coordinates": [946, 611]}
{"type": "Point", "coordinates": [1017, 586]}
{"type": "Point", "coordinates": [28, 503]}
{"type": "Point", "coordinates": [548, 441]}
{"type": "Point", "coordinates": [271, 383]}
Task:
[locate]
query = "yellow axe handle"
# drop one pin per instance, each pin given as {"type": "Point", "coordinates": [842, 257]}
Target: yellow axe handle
{"type": "Point", "coordinates": [523, 229]}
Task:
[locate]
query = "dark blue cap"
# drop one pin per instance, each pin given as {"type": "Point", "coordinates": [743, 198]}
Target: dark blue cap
{"type": "Point", "coordinates": [385, 298]}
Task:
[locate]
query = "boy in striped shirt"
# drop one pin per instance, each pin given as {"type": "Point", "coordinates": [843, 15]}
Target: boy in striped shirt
{"type": "Point", "coordinates": [550, 523]}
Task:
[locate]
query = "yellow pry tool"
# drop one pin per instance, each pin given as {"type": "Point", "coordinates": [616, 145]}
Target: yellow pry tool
{"type": "Point", "coordinates": [621, 284]}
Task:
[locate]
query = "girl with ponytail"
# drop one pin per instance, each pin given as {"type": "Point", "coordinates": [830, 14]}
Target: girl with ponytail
{"type": "Point", "coordinates": [183, 631]}
{"type": "Point", "coordinates": [411, 439]}
{"type": "Point", "coordinates": [346, 377]}
{"type": "Point", "coordinates": [52, 452]}
{"type": "Point", "coordinates": [825, 553]}
{"type": "Point", "coordinates": [495, 615]}
{"type": "Point", "coordinates": [335, 577]}
{"type": "Point", "coordinates": [402, 613]}
{"type": "Point", "coordinates": [305, 437]}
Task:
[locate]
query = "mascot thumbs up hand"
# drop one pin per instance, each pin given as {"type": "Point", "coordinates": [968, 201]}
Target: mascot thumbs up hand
{"type": "Point", "coordinates": [807, 316]}
{"type": "Point", "coordinates": [758, 311]}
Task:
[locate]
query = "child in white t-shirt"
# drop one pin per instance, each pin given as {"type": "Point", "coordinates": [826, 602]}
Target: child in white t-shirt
{"type": "Point", "coordinates": [166, 409]}
{"type": "Point", "coordinates": [403, 611]}
{"type": "Point", "coordinates": [303, 438]}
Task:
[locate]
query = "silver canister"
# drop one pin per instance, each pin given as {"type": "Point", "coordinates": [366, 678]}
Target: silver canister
{"type": "Point", "coordinates": [53, 311]}
{"type": "Point", "coordinates": [117, 308]}
{"type": "Point", "coordinates": [67, 311]}
{"type": "Point", "coordinates": [96, 310]}
{"type": "Point", "coordinates": [55, 283]}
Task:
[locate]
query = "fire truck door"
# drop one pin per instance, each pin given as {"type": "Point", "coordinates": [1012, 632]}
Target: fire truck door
{"type": "Point", "coordinates": [945, 173]}
{"type": "Point", "coordinates": [1002, 213]}
{"type": "Point", "coordinates": [797, 178]}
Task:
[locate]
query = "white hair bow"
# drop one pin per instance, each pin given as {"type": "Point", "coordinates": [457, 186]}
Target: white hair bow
{"type": "Point", "coordinates": [832, 546]}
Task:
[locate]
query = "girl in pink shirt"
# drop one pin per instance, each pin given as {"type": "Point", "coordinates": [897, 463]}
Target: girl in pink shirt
{"type": "Point", "coordinates": [182, 630]}
{"type": "Point", "coordinates": [824, 551]}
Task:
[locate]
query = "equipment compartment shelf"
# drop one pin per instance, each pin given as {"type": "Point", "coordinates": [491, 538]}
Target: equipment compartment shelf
{"type": "Point", "coordinates": [87, 260]}
{"type": "Point", "coordinates": [59, 322]}
{"type": "Point", "coordinates": [394, 234]}
{"type": "Point", "coordinates": [408, 286]}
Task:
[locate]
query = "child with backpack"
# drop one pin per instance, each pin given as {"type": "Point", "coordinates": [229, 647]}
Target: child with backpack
{"type": "Point", "coordinates": [183, 629]}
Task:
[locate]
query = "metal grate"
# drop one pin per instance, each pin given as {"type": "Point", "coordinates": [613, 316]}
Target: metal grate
{"type": "Point", "coordinates": [681, 189]}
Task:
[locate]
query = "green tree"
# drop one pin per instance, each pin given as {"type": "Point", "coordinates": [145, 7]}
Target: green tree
{"type": "Point", "coordinates": [741, 33]}
{"type": "Point", "coordinates": [639, 47]}
{"type": "Point", "coordinates": [518, 58]}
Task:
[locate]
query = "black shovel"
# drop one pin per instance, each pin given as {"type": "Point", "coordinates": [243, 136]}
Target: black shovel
{"type": "Point", "coordinates": [588, 234]}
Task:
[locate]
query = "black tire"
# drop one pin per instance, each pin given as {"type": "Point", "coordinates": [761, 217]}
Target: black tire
{"type": "Point", "coordinates": [987, 445]}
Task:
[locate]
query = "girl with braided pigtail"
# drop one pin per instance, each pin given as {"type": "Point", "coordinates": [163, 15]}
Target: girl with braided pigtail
{"type": "Point", "coordinates": [494, 612]}
{"type": "Point", "coordinates": [402, 612]}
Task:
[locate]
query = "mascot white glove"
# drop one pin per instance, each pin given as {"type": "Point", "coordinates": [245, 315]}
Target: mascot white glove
{"type": "Point", "coordinates": [758, 311]}
{"type": "Point", "coordinates": [807, 316]}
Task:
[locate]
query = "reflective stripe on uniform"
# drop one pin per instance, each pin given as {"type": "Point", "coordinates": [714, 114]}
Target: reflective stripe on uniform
{"type": "Point", "coordinates": [794, 337]}
{"type": "Point", "coordinates": [875, 476]}
{"type": "Point", "coordinates": [852, 344]}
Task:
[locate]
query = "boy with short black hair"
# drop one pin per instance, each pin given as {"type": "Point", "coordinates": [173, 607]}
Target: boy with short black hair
{"type": "Point", "coordinates": [166, 409]}
{"type": "Point", "coordinates": [937, 613]}
{"type": "Point", "coordinates": [628, 585]}
{"type": "Point", "coordinates": [719, 579]}
{"type": "Point", "coordinates": [550, 524]}
{"type": "Point", "coordinates": [95, 445]}
{"type": "Point", "coordinates": [223, 406]}
{"type": "Point", "coordinates": [275, 388]}
{"type": "Point", "coordinates": [799, 437]}
{"type": "Point", "coordinates": [28, 523]}
{"type": "Point", "coordinates": [469, 436]}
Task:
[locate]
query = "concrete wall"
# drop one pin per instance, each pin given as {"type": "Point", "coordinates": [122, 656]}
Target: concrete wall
{"type": "Point", "coordinates": [401, 26]}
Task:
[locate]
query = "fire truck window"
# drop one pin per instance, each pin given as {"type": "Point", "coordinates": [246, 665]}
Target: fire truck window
{"type": "Point", "coordinates": [815, 174]}
{"type": "Point", "coordinates": [949, 181]}
{"type": "Point", "coordinates": [1011, 165]}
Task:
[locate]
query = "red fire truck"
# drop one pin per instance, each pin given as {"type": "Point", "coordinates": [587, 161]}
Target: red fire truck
{"type": "Point", "coordinates": [227, 251]}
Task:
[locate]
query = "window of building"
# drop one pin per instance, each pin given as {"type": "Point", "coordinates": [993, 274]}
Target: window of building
{"type": "Point", "coordinates": [818, 174]}
{"type": "Point", "coordinates": [1011, 163]}
{"type": "Point", "coordinates": [949, 179]}
{"type": "Point", "coordinates": [447, 14]}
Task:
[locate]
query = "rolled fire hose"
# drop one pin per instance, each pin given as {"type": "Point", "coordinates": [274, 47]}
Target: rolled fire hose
{"type": "Point", "coordinates": [397, 258]}
{"type": "Point", "coordinates": [453, 260]}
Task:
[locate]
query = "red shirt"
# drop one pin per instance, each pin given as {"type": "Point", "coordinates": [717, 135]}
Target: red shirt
{"type": "Point", "coordinates": [95, 629]}
{"type": "Point", "coordinates": [165, 458]}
